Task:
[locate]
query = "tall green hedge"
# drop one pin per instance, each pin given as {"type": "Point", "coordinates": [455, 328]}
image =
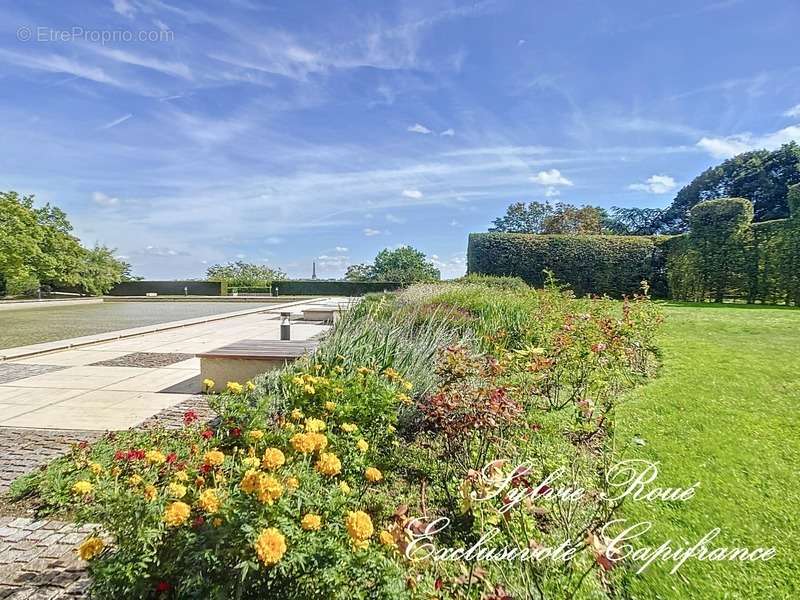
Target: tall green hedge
{"type": "Point", "coordinates": [723, 256]}
{"type": "Point", "coordinates": [589, 264]}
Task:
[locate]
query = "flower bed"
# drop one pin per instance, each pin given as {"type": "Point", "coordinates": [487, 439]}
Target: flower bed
{"type": "Point", "coordinates": [442, 405]}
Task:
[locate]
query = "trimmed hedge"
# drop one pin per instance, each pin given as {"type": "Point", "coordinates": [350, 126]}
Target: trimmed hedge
{"type": "Point", "coordinates": [589, 264]}
{"type": "Point", "coordinates": [318, 287]}
{"type": "Point", "coordinates": [167, 288]}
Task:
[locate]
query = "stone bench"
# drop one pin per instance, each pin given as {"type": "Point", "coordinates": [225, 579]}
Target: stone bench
{"type": "Point", "coordinates": [326, 314]}
{"type": "Point", "coordinates": [245, 359]}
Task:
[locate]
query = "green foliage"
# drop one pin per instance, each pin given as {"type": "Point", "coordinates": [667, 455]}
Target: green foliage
{"type": "Point", "coordinates": [793, 199]}
{"type": "Point", "coordinates": [493, 281]}
{"type": "Point", "coordinates": [404, 265]}
{"type": "Point", "coordinates": [542, 217]}
{"type": "Point", "coordinates": [38, 249]}
{"type": "Point", "coordinates": [613, 265]}
{"type": "Point", "coordinates": [244, 274]}
{"type": "Point", "coordinates": [634, 221]}
{"type": "Point", "coordinates": [762, 176]}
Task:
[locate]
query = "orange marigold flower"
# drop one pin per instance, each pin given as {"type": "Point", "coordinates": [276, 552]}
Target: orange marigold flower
{"type": "Point", "coordinates": [270, 546]}
{"type": "Point", "coordinates": [177, 513]}
{"type": "Point", "coordinates": [273, 458]}
{"type": "Point", "coordinates": [373, 475]}
{"type": "Point", "coordinates": [359, 526]}
{"type": "Point", "coordinates": [328, 464]}
{"type": "Point", "coordinates": [214, 458]}
{"type": "Point", "coordinates": [303, 442]}
{"type": "Point", "coordinates": [311, 522]}
{"type": "Point", "coordinates": [209, 501]}
{"type": "Point", "coordinates": [90, 548]}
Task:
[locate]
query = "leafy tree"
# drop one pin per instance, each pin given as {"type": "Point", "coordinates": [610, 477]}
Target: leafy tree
{"type": "Point", "coordinates": [522, 218]}
{"type": "Point", "coordinates": [101, 270]}
{"type": "Point", "coordinates": [761, 176]}
{"type": "Point", "coordinates": [244, 274]}
{"type": "Point", "coordinates": [633, 221]}
{"type": "Point", "coordinates": [404, 264]}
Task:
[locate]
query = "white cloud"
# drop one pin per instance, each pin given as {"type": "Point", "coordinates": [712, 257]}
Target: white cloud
{"type": "Point", "coordinates": [102, 199]}
{"type": "Point", "coordinates": [369, 232]}
{"type": "Point", "coordinates": [123, 7]}
{"type": "Point", "coordinates": [448, 132]}
{"type": "Point", "coordinates": [419, 128]}
{"type": "Point", "coordinates": [793, 112]}
{"type": "Point", "coordinates": [341, 248]}
{"type": "Point", "coordinates": [455, 266]}
{"type": "Point", "coordinates": [175, 69]}
{"type": "Point", "coordinates": [116, 122]}
{"type": "Point", "coordinates": [415, 194]}
{"type": "Point", "coordinates": [454, 223]}
{"type": "Point", "coordinates": [726, 147]}
{"type": "Point", "coordinates": [551, 177]}
{"type": "Point", "coordinates": [395, 219]}
{"type": "Point", "coordinates": [551, 192]}
{"type": "Point", "coordinates": [656, 184]}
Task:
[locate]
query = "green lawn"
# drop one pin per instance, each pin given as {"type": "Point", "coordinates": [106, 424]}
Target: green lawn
{"type": "Point", "coordinates": [723, 411]}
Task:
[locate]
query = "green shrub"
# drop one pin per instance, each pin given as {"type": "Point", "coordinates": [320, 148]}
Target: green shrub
{"type": "Point", "coordinates": [589, 264]}
{"type": "Point", "coordinates": [493, 281]}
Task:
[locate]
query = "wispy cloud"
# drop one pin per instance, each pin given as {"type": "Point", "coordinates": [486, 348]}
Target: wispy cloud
{"type": "Point", "coordinates": [395, 219]}
{"type": "Point", "coordinates": [419, 128]}
{"type": "Point", "coordinates": [175, 69]}
{"type": "Point", "coordinates": [448, 132]}
{"type": "Point", "coordinates": [123, 7]}
{"type": "Point", "coordinates": [116, 122]}
{"type": "Point", "coordinates": [550, 178]}
{"type": "Point", "coordinates": [793, 112]}
{"type": "Point", "coordinates": [102, 199]}
{"type": "Point", "coordinates": [415, 194]}
{"type": "Point", "coordinates": [370, 232]}
{"type": "Point", "coordinates": [655, 184]}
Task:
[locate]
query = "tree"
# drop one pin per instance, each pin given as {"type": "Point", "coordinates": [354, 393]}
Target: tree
{"type": "Point", "coordinates": [404, 264]}
{"type": "Point", "coordinates": [543, 217]}
{"type": "Point", "coordinates": [522, 218]}
{"type": "Point", "coordinates": [633, 221]}
{"type": "Point", "coordinates": [761, 176]}
{"type": "Point", "coordinates": [101, 270]}
{"type": "Point", "coordinates": [244, 274]}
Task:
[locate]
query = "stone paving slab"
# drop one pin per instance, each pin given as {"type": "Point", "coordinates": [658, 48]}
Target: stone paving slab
{"type": "Point", "coordinates": [12, 372]}
{"type": "Point", "coordinates": [149, 360]}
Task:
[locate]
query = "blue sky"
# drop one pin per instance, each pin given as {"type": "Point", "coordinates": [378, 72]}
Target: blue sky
{"type": "Point", "coordinates": [288, 132]}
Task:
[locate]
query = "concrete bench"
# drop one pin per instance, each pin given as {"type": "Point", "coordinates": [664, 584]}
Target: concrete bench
{"type": "Point", "coordinates": [326, 314]}
{"type": "Point", "coordinates": [245, 359]}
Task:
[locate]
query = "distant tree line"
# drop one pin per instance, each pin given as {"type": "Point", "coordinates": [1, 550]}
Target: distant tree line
{"type": "Point", "coordinates": [38, 250]}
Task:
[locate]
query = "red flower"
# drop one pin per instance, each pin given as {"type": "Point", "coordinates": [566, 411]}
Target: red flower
{"type": "Point", "coordinates": [235, 432]}
{"type": "Point", "coordinates": [206, 468]}
{"type": "Point", "coordinates": [189, 417]}
{"type": "Point", "coordinates": [597, 348]}
{"type": "Point", "coordinates": [136, 455]}
{"type": "Point", "coordinates": [171, 457]}
{"type": "Point", "coordinates": [198, 521]}
{"type": "Point", "coordinates": [83, 445]}
{"type": "Point", "coordinates": [163, 586]}
{"type": "Point", "coordinates": [120, 455]}
{"type": "Point", "coordinates": [207, 434]}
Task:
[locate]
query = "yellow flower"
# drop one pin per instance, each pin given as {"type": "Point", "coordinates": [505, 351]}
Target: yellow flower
{"type": "Point", "coordinates": [270, 546]}
{"type": "Point", "coordinates": [214, 458]}
{"type": "Point", "coordinates": [391, 374]}
{"type": "Point", "coordinates": [181, 476]}
{"type": "Point", "coordinates": [269, 489]}
{"type": "Point", "coordinates": [386, 538]}
{"type": "Point", "coordinates": [256, 435]}
{"type": "Point", "coordinates": [315, 425]}
{"type": "Point", "coordinates": [338, 369]}
{"type": "Point", "coordinates": [235, 387]}
{"type": "Point", "coordinates": [303, 442]}
{"type": "Point", "coordinates": [344, 488]}
{"type": "Point", "coordinates": [372, 474]}
{"type": "Point", "coordinates": [330, 406]}
{"type": "Point", "coordinates": [289, 426]}
{"type": "Point", "coordinates": [249, 482]}
{"type": "Point", "coordinates": [297, 380]}
{"type": "Point", "coordinates": [359, 526]}
{"type": "Point", "coordinates": [273, 458]}
{"type": "Point", "coordinates": [251, 462]}
{"type": "Point", "coordinates": [90, 548]}
{"type": "Point", "coordinates": [404, 398]}
{"type": "Point", "coordinates": [177, 513]}
{"type": "Point", "coordinates": [135, 479]}
{"type": "Point", "coordinates": [209, 501]}
{"type": "Point", "coordinates": [349, 427]}
{"type": "Point", "coordinates": [176, 490]}
{"type": "Point", "coordinates": [297, 414]}
{"type": "Point", "coordinates": [216, 522]}
{"type": "Point", "coordinates": [150, 492]}
{"type": "Point", "coordinates": [208, 384]}
{"type": "Point", "coordinates": [319, 440]}
{"type": "Point", "coordinates": [328, 464]}
{"type": "Point", "coordinates": [407, 385]}
{"type": "Point", "coordinates": [309, 389]}
{"type": "Point", "coordinates": [311, 522]}
{"type": "Point", "coordinates": [96, 468]}
{"type": "Point", "coordinates": [250, 386]}
{"type": "Point", "coordinates": [364, 370]}
{"type": "Point", "coordinates": [362, 445]}
{"type": "Point", "coordinates": [116, 472]}
{"type": "Point", "coordinates": [82, 487]}
{"type": "Point", "coordinates": [292, 483]}
{"type": "Point", "coordinates": [390, 428]}
{"type": "Point", "coordinates": [154, 457]}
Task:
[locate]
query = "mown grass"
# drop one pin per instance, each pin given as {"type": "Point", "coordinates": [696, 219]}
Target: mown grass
{"type": "Point", "coordinates": [724, 411]}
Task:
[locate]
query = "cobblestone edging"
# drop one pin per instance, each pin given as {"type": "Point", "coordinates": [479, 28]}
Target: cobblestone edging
{"type": "Point", "coordinates": [37, 557]}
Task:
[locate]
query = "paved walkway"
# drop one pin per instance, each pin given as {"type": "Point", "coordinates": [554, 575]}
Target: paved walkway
{"type": "Point", "coordinates": [118, 384]}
